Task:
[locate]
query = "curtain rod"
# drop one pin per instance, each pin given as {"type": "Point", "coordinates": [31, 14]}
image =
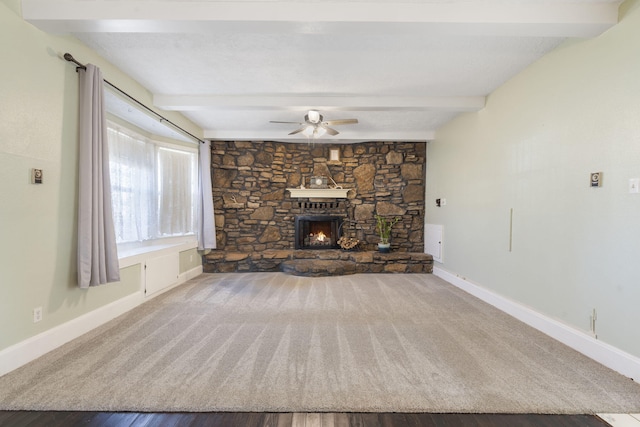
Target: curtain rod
{"type": "Point", "coordinates": [70, 58]}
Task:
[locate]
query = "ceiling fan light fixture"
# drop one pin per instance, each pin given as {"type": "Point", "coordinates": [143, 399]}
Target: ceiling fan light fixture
{"type": "Point", "coordinates": [314, 116]}
{"type": "Point", "coordinates": [313, 131]}
{"type": "Point", "coordinates": [308, 131]}
{"type": "Point", "coordinates": [314, 126]}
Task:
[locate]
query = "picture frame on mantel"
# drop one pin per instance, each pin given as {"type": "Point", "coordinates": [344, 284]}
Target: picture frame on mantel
{"type": "Point", "coordinates": [318, 182]}
{"type": "Point", "coordinates": [334, 154]}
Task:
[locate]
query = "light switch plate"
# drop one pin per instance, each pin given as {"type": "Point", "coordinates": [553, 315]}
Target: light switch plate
{"type": "Point", "coordinates": [634, 184]}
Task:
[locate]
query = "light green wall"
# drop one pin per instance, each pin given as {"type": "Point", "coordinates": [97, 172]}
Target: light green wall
{"type": "Point", "coordinates": [38, 129]}
{"type": "Point", "coordinates": [575, 248]}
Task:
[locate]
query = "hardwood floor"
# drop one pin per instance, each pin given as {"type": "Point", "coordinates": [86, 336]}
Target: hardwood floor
{"type": "Point", "coordinates": [215, 419]}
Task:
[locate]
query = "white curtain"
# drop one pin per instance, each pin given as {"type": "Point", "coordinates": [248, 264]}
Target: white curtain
{"type": "Point", "coordinates": [206, 220]}
{"type": "Point", "coordinates": [134, 195]}
{"type": "Point", "coordinates": [154, 187]}
{"type": "Point", "coordinates": [97, 250]}
{"type": "Point", "coordinates": [177, 201]}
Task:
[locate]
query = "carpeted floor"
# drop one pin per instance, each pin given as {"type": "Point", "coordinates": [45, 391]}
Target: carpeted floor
{"type": "Point", "coordinates": [272, 342]}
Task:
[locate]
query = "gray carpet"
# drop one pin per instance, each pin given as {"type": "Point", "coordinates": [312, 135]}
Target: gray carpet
{"type": "Point", "coordinates": [272, 342]}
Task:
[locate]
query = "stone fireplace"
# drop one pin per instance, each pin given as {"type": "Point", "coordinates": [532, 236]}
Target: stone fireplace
{"type": "Point", "coordinates": [317, 231]}
{"type": "Point", "coordinates": [255, 211]}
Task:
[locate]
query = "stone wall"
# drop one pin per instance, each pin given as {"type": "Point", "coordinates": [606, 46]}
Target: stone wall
{"type": "Point", "coordinates": [254, 212]}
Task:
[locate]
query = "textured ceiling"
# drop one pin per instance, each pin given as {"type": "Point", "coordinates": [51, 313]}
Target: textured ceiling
{"type": "Point", "coordinates": [403, 69]}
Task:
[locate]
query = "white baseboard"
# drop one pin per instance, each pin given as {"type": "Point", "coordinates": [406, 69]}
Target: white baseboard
{"type": "Point", "coordinates": [30, 349]}
{"type": "Point", "coordinates": [606, 354]}
{"type": "Point", "coordinates": [188, 275]}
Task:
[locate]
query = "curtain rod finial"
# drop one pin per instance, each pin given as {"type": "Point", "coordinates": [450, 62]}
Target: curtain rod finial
{"type": "Point", "coordinates": [67, 56]}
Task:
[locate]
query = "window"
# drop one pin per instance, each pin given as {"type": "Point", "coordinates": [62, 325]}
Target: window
{"type": "Point", "coordinates": [153, 185]}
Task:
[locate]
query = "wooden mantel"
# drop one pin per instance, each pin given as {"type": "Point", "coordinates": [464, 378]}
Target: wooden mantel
{"type": "Point", "coordinates": [321, 193]}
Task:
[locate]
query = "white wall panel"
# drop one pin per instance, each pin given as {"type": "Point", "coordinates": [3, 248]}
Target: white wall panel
{"type": "Point", "coordinates": [161, 272]}
{"type": "Point", "coordinates": [433, 241]}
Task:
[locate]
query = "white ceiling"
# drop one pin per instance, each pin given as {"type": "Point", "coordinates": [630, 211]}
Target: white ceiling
{"type": "Point", "coordinates": [403, 69]}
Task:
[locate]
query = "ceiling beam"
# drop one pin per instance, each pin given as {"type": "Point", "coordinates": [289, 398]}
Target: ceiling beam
{"type": "Point", "coordinates": [344, 137]}
{"type": "Point", "coordinates": [500, 18]}
{"type": "Point", "coordinates": [324, 103]}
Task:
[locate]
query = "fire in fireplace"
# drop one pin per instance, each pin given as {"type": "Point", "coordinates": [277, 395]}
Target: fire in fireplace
{"type": "Point", "coordinates": [317, 231]}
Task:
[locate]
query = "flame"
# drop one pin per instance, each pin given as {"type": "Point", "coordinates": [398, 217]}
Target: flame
{"type": "Point", "coordinates": [320, 237]}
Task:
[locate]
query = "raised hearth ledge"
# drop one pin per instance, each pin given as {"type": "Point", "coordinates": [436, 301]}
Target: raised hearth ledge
{"type": "Point", "coordinates": [220, 261]}
{"type": "Point", "coordinates": [328, 193]}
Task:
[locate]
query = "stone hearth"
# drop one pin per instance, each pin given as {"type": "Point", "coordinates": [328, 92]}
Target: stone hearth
{"type": "Point", "coordinates": [297, 261]}
{"type": "Point", "coordinates": [318, 268]}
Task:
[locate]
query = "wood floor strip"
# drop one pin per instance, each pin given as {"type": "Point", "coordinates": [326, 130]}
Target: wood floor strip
{"type": "Point", "coordinates": [254, 419]}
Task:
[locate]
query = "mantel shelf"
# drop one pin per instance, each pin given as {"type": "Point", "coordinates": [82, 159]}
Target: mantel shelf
{"type": "Point", "coordinates": [321, 193]}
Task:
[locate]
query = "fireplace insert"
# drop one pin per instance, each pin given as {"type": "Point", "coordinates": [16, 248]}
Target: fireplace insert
{"type": "Point", "coordinates": [317, 231]}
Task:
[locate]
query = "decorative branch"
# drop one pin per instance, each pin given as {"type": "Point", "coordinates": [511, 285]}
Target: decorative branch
{"type": "Point", "coordinates": [384, 226]}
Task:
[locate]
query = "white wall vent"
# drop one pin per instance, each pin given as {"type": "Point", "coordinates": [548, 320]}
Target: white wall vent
{"type": "Point", "coordinates": [161, 272]}
{"type": "Point", "coordinates": [433, 241]}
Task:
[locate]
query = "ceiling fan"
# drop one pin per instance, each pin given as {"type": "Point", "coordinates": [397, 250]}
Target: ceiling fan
{"type": "Point", "coordinates": [314, 126]}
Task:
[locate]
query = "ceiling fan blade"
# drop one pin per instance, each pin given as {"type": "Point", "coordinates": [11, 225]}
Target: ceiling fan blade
{"type": "Point", "coordinates": [330, 131]}
{"type": "Point", "coordinates": [275, 121]}
{"type": "Point", "coordinates": [341, 122]}
{"type": "Point", "coordinates": [300, 129]}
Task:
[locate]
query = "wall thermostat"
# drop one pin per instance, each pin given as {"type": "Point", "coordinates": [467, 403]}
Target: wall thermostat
{"type": "Point", "coordinates": [36, 176]}
{"type": "Point", "coordinates": [596, 179]}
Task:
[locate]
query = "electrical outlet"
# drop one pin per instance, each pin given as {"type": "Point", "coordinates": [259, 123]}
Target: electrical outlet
{"type": "Point", "coordinates": [37, 314]}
